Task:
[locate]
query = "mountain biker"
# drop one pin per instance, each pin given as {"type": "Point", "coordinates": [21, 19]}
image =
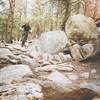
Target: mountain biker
{"type": "Point", "coordinates": [25, 29]}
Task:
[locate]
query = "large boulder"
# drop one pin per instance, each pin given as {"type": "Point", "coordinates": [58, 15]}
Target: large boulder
{"type": "Point", "coordinates": [81, 28]}
{"type": "Point", "coordinates": [52, 42]}
{"type": "Point", "coordinates": [33, 49]}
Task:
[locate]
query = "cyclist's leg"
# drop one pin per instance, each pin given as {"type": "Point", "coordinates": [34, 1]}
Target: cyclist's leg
{"type": "Point", "coordinates": [24, 38]}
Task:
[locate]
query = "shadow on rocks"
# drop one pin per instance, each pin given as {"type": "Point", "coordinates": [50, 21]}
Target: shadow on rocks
{"type": "Point", "coordinates": [80, 94]}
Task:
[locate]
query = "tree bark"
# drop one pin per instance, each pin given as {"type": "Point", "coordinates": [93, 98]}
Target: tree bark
{"type": "Point", "coordinates": [66, 16]}
{"type": "Point", "coordinates": [10, 21]}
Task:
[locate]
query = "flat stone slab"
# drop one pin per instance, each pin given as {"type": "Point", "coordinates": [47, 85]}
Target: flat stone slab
{"type": "Point", "coordinates": [14, 72]}
{"type": "Point", "coordinates": [92, 86]}
{"type": "Point", "coordinates": [5, 51]}
{"type": "Point", "coordinates": [59, 78]}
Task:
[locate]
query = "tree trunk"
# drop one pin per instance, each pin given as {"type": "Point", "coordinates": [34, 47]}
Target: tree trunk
{"type": "Point", "coordinates": [25, 10]}
{"type": "Point", "coordinates": [10, 21]}
{"type": "Point", "coordinates": [66, 16]}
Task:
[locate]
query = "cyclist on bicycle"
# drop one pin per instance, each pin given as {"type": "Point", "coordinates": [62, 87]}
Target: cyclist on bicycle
{"type": "Point", "coordinates": [26, 29]}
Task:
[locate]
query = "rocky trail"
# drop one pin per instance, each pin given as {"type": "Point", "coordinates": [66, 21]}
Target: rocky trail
{"type": "Point", "coordinates": [52, 67]}
{"type": "Point", "coordinates": [46, 77]}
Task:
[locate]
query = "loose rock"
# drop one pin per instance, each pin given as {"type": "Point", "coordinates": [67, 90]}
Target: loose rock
{"type": "Point", "coordinates": [85, 75]}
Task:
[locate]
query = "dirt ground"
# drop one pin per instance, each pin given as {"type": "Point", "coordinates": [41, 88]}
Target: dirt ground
{"type": "Point", "coordinates": [81, 94]}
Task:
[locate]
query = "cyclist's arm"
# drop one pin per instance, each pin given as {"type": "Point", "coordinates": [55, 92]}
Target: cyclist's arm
{"type": "Point", "coordinates": [30, 30]}
{"type": "Point", "coordinates": [21, 29]}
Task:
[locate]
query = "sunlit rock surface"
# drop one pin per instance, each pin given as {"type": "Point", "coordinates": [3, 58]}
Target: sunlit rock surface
{"type": "Point", "coordinates": [88, 50]}
{"type": "Point", "coordinates": [53, 41]}
{"type": "Point", "coordinates": [93, 86]}
{"type": "Point", "coordinates": [36, 75]}
{"type": "Point", "coordinates": [75, 51]}
{"type": "Point", "coordinates": [33, 49]}
{"type": "Point", "coordinates": [81, 52]}
{"type": "Point", "coordinates": [49, 42]}
{"type": "Point", "coordinates": [5, 52]}
{"type": "Point", "coordinates": [59, 78]}
{"type": "Point", "coordinates": [21, 91]}
{"type": "Point", "coordinates": [85, 75]}
{"type": "Point", "coordinates": [14, 72]}
{"type": "Point", "coordinates": [7, 56]}
{"type": "Point", "coordinates": [80, 27]}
